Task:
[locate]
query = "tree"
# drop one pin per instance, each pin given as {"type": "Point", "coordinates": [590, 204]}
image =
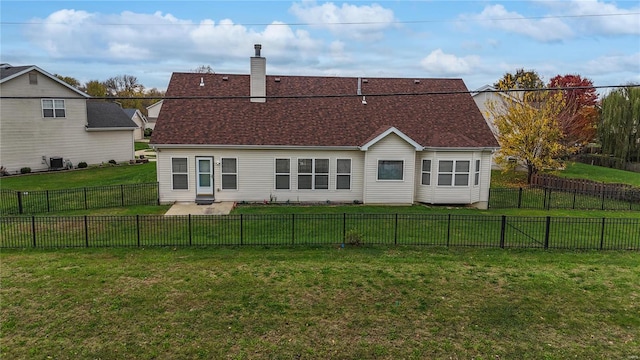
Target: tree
{"type": "Point", "coordinates": [69, 80]}
{"type": "Point", "coordinates": [579, 118]}
{"type": "Point", "coordinates": [522, 79]}
{"type": "Point", "coordinates": [95, 88]}
{"type": "Point", "coordinates": [619, 127]}
{"type": "Point", "coordinates": [528, 130]}
{"type": "Point", "coordinates": [204, 69]}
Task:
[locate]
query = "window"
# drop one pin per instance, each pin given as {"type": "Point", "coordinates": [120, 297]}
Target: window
{"type": "Point", "coordinates": [343, 174]}
{"type": "Point", "coordinates": [454, 173]}
{"type": "Point", "coordinates": [476, 180]}
{"type": "Point", "coordinates": [229, 173]}
{"type": "Point", "coordinates": [53, 108]}
{"type": "Point", "coordinates": [426, 172]}
{"type": "Point", "coordinates": [390, 169]}
{"type": "Point", "coordinates": [283, 174]}
{"type": "Point", "coordinates": [313, 174]}
{"type": "Point", "coordinates": [179, 174]}
{"type": "Point", "coordinates": [33, 78]}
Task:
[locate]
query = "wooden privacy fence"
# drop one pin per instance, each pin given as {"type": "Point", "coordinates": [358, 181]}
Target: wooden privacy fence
{"type": "Point", "coordinates": [622, 192]}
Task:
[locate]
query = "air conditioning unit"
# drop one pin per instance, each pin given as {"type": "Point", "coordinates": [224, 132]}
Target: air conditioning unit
{"type": "Point", "coordinates": [56, 163]}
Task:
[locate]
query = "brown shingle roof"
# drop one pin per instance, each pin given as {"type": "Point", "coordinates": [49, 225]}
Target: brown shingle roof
{"type": "Point", "coordinates": [447, 120]}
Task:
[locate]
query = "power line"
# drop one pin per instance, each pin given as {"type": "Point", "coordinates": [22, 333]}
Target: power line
{"type": "Point", "coordinates": [399, 22]}
{"type": "Point", "coordinates": [319, 96]}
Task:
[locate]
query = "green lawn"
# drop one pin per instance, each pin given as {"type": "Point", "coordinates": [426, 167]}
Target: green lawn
{"type": "Point", "coordinates": [319, 303]}
{"type": "Point", "coordinates": [93, 176]}
{"type": "Point", "coordinates": [578, 170]}
{"type": "Point", "coordinates": [141, 145]}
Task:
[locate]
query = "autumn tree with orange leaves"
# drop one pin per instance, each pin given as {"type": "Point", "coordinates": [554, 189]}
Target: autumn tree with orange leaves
{"type": "Point", "coordinates": [579, 117]}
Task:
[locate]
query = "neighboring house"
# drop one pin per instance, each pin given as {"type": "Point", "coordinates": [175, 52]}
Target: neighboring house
{"type": "Point", "coordinates": [152, 114]}
{"type": "Point", "coordinates": [141, 122]}
{"type": "Point", "coordinates": [46, 123]}
{"type": "Point", "coordinates": [319, 139]}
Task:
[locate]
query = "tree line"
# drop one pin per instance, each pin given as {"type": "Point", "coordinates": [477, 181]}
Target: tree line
{"type": "Point", "coordinates": [538, 125]}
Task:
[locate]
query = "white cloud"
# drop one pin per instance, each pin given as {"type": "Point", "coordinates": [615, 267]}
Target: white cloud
{"type": "Point", "coordinates": [545, 30]}
{"type": "Point", "coordinates": [437, 63]}
{"type": "Point", "coordinates": [614, 64]}
{"type": "Point", "coordinates": [625, 22]}
{"type": "Point", "coordinates": [371, 20]}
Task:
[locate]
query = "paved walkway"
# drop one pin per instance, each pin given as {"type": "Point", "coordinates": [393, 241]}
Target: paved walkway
{"type": "Point", "coordinates": [221, 208]}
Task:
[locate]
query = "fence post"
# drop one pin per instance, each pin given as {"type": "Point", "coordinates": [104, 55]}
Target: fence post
{"type": "Point", "coordinates": [519, 197]}
{"type": "Point", "coordinates": [48, 206]}
{"type": "Point", "coordinates": [344, 227]}
{"type": "Point", "coordinates": [573, 206]}
{"type": "Point", "coordinates": [86, 232]}
{"type": "Point", "coordinates": [293, 228]}
{"type": "Point", "coordinates": [122, 194]}
{"type": "Point", "coordinates": [241, 234]}
{"type": "Point", "coordinates": [138, 228]}
{"type": "Point", "coordinates": [190, 230]}
{"type": "Point", "coordinates": [549, 200]}
{"type": "Point", "coordinates": [544, 199]}
{"type": "Point", "coordinates": [85, 199]}
{"type": "Point", "coordinates": [503, 226]}
{"type": "Point", "coordinates": [33, 229]}
{"type": "Point", "coordinates": [20, 208]}
{"type": "Point", "coordinates": [395, 232]}
{"type": "Point", "coordinates": [546, 233]}
{"type": "Point", "coordinates": [602, 235]}
{"type": "Point", "coordinates": [448, 229]}
{"type": "Point", "coordinates": [157, 193]}
{"type": "Point", "coordinates": [602, 206]}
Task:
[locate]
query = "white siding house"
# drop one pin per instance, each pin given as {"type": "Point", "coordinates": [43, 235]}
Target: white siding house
{"type": "Point", "coordinates": [321, 139]}
{"type": "Point", "coordinates": [153, 111]}
{"type": "Point", "coordinates": [43, 118]}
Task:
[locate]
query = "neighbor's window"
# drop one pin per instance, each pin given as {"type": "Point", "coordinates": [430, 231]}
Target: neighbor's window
{"type": "Point", "coordinates": [343, 174]}
{"type": "Point", "coordinates": [179, 174]}
{"type": "Point", "coordinates": [390, 169]}
{"type": "Point", "coordinates": [476, 180]}
{"type": "Point", "coordinates": [283, 174]}
{"type": "Point", "coordinates": [453, 173]}
{"type": "Point", "coordinates": [313, 174]}
{"type": "Point", "coordinates": [229, 173]}
{"type": "Point", "coordinates": [53, 108]}
{"type": "Point", "coordinates": [426, 172]}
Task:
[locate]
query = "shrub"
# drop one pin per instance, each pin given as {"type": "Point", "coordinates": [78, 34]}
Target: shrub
{"type": "Point", "coordinates": [113, 162]}
{"type": "Point", "coordinates": [25, 170]}
{"type": "Point", "coordinates": [353, 237]}
{"type": "Point", "coordinates": [148, 132]}
{"type": "Point", "coordinates": [82, 165]}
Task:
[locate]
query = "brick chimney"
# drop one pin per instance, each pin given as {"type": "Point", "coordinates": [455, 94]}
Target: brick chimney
{"type": "Point", "coordinates": [258, 76]}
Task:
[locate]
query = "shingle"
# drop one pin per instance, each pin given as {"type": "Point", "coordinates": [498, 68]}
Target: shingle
{"type": "Point", "coordinates": [102, 114]}
{"type": "Point", "coordinates": [433, 120]}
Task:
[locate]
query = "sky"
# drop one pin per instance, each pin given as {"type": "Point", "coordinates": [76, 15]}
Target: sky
{"type": "Point", "coordinates": [477, 41]}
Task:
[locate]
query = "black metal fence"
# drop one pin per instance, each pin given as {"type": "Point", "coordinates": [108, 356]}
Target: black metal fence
{"type": "Point", "coordinates": [321, 229]}
{"type": "Point", "coordinates": [536, 198]}
{"type": "Point", "coordinates": [42, 201]}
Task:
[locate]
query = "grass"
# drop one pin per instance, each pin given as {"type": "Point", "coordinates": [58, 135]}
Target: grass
{"type": "Point", "coordinates": [319, 303]}
{"type": "Point", "coordinates": [141, 145]}
{"type": "Point", "coordinates": [578, 170]}
{"type": "Point", "coordinates": [93, 176]}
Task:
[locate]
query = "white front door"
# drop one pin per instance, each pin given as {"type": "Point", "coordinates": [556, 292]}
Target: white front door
{"type": "Point", "coordinates": [204, 182]}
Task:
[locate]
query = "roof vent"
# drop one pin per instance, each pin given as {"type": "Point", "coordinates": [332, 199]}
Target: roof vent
{"type": "Point", "coordinates": [277, 79]}
{"type": "Point", "coordinates": [225, 78]}
{"type": "Point", "coordinates": [416, 81]}
{"type": "Point", "coordinates": [365, 81]}
{"type": "Point", "coordinates": [201, 82]}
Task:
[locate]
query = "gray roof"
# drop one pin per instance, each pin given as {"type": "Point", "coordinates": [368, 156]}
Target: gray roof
{"type": "Point", "coordinates": [130, 112]}
{"type": "Point", "coordinates": [7, 70]}
{"type": "Point", "coordinates": [102, 115]}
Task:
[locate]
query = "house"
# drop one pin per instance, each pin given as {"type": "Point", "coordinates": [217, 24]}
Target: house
{"type": "Point", "coordinates": [317, 139]}
{"type": "Point", "coordinates": [141, 122]}
{"type": "Point", "coordinates": [46, 123]}
{"type": "Point", "coordinates": [152, 114]}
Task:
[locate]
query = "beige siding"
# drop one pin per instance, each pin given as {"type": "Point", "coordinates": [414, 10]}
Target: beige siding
{"type": "Point", "coordinates": [138, 133]}
{"type": "Point", "coordinates": [256, 175]}
{"type": "Point", "coordinates": [377, 191]}
{"type": "Point", "coordinates": [26, 136]}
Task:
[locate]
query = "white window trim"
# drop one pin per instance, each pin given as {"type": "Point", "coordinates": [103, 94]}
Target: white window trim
{"type": "Point", "coordinates": [275, 176]}
{"type": "Point", "coordinates": [313, 174]}
{"type": "Point", "coordinates": [179, 173]}
{"type": "Point", "coordinates": [388, 180]}
{"type": "Point", "coordinates": [53, 108]}
{"type": "Point", "coordinates": [453, 174]}
{"type": "Point", "coordinates": [477, 172]}
{"type": "Point", "coordinates": [222, 173]}
{"type": "Point", "coordinates": [350, 173]}
{"type": "Point", "coordinates": [430, 172]}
